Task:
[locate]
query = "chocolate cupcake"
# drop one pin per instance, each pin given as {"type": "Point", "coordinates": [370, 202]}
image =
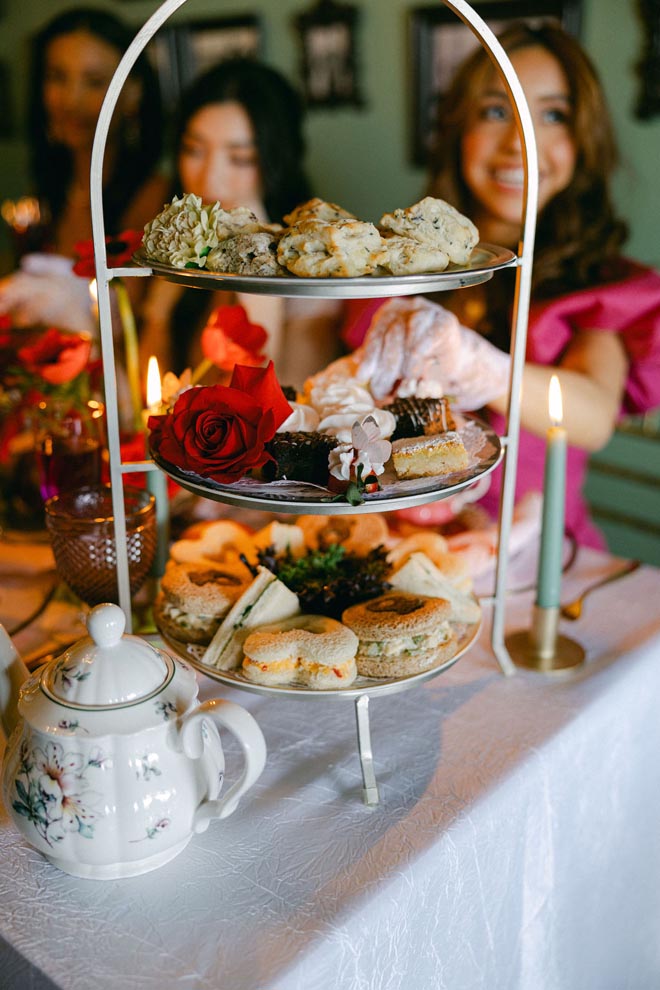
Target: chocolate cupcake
{"type": "Point", "coordinates": [299, 457]}
{"type": "Point", "coordinates": [417, 417]}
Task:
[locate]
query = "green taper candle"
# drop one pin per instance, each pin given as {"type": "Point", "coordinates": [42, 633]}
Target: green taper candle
{"type": "Point", "coordinates": [548, 586]}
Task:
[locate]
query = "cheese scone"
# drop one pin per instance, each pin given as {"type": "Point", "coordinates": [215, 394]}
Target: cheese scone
{"type": "Point", "coordinates": [342, 249]}
{"type": "Point", "coordinates": [435, 223]}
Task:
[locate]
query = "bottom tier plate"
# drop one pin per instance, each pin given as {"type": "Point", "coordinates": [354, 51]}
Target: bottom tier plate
{"type": "Point", "coordinates": [192, 653]}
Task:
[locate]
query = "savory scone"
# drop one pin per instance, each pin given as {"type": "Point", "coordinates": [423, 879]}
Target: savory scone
{"type": "Point", "coordinates": [405, 256]}
{"type": "Point", "coordinates": [437, 224]}
{"type": "Point", "coordinates": [318, 249]}
{"type": "Point", "coordinates": [247, 254]}
{"type": "Point", "coordinates": [239, 220]}
{"type": "Point", "coordinates": [317, 209]}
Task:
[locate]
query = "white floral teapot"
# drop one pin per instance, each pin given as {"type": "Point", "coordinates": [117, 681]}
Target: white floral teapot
{"type": "Point", "coordinates": [111, 764]}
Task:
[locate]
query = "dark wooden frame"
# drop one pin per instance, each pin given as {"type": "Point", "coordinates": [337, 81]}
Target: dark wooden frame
{"type": "Point", "coordinates": [182, 51]}
{"type": "Point", "coordinates": [329, 79]}
{"type": "Point", "coordinates": [434, 28]}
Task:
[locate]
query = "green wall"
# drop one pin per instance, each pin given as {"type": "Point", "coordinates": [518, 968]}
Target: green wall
{"type": "Point", "coordinates": [360, 157]}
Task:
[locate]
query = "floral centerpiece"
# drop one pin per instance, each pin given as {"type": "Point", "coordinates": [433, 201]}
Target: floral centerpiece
{"type": "Point", "coordinates": [48, 388]}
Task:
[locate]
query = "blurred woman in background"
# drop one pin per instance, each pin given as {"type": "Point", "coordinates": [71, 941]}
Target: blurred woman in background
{"type": "Point", "coordinates": [73, 61]}
{"type": "Point", "coordinates": [239, 140]}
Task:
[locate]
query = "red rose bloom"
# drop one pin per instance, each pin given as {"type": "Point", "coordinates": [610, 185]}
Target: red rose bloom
{"type": "Point", "coordinates": [119, 251]}
{"type": "Point", "coordinates": [229, 338]}
{"type": "Point", "coordinates": [56, 357]}
{"type": "Point", "coordinates": [219, 431]}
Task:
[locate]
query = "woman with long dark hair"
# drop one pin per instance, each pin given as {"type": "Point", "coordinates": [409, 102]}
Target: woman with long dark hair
{"type": "Point", "coordinates": [74, 58]}
{"type": "Point", "coordinates": [239, 140]}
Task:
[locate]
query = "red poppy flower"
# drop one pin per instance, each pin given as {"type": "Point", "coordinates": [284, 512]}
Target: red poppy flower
{"type": "Point", "coordinates": [119, 251]}
{"type": "Point", "coordinates": [229, 339]}
{"type": "Point", "coordinates": [220, 431]}
{"type": "Point", "coordinates": [56, 357]}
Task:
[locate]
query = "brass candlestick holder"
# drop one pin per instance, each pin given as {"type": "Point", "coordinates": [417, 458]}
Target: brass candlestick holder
{"type": "Point", "coordinates": [542, 648]}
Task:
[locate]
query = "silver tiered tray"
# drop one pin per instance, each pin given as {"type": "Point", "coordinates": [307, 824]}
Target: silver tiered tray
{"type": "Point", "coordinates": [485, 260]}
{"type": "Point", "coordinates": [372, 686]}
{"type": "Point", "coordinates": [298, 497]}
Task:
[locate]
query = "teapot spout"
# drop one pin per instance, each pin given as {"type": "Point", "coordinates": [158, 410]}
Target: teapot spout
{"type": "Point", "coordinates": [12, 674]}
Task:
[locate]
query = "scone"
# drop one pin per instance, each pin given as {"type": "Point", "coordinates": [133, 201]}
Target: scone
{"type": "Point", "coordinates": [317, 249]}
{"type": "Point", "coordinates": [358, 534]}
{"type": "Point", "coordinates": [317, 209]}
{"type": "Point", "coordinates": [425, 457]}
{"type": "Point", "coordinates": [405, 256]}
{"type": "Point", "coordinates": [401, 634]}
{"type": "Point", "coordinates": [247, 254]}
{"type": "Point", "coordinates": [437, 224]}
{"type": "Point", "coordinates": [313, 650]}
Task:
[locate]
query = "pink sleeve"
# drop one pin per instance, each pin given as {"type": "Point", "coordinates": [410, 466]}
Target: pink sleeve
{"type": "Point", "coordinates": [630, 308]}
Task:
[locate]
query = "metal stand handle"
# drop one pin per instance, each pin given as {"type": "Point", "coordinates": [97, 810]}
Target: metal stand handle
{"type": "Point", "coordinates": [369, 785]}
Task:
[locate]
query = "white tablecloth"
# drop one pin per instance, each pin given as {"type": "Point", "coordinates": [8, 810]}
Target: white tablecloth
{"type": "Point", "coordinates": [517, 845]}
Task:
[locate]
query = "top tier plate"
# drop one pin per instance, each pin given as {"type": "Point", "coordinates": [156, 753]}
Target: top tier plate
{"type": "Point", "coordinates": [486, 259]}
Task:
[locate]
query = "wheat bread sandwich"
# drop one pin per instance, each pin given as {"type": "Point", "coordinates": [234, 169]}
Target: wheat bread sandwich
{"type": "Point", "coordinates": [265, 600]}
{"type": "Point", "coordinates": [401, 633]}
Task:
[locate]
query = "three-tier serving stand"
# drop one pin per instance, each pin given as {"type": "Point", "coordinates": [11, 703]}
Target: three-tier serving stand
{"type": "Point", "coordinates": [345, 288]}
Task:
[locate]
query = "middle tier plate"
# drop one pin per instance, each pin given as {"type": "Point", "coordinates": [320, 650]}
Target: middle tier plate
{"type": "Point", "coordinates": [481, 441]}
{"type": "Point", "coordinates": [486, 259]}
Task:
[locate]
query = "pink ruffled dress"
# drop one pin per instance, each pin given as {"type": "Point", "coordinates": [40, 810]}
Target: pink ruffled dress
{"type": "Point", "coordinates": [629, 307]}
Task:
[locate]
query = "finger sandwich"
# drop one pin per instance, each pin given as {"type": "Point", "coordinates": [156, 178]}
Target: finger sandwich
{"type": "Point", "coordinates": [401, 633]}
{"type": "Point", "coordinates": [265, 600]}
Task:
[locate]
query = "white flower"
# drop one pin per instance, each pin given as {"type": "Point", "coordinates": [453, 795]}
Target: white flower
{"type": "Point", "coordinates": [340, 461]}
{"type": "Point", "coordinates": [172, 387]}
{"type": "Point", "coordinates": [183, 233]}
{"type": "Point", "coordinates": [372, 451]}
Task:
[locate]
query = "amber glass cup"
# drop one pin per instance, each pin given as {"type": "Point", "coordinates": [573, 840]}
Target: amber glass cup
{"type": "Point", "coordinates": [81, 528]}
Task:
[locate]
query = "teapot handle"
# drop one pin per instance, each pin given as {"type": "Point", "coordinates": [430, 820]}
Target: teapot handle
{"type": "Point", "coordinates": [244, 727]}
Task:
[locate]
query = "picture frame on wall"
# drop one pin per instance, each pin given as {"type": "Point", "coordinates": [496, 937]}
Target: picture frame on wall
{"type": "Point", "coordinates": [328, 54]}
{"type": "Point", "coordinates": [183, 52]}
{"type": "Point", "coordinates": [440, 41]}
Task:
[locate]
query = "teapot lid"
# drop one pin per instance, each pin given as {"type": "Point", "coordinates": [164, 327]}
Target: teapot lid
{"type": "Point", "coordinates": [106, 668]}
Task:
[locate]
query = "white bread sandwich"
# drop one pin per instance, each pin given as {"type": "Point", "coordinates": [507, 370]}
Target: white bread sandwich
{"type": "Point", "coordinates": [313, 650]}
{"type": "Point", "coordinates": [401, 634]}
{"type": "Point", "coordinates": [265, 600]}
{"type": "Point", "coordinates": [420, 576]}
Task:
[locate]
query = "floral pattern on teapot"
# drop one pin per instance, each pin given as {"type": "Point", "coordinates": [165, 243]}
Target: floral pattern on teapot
{"type": "Point", "coordinates": [55, 790]}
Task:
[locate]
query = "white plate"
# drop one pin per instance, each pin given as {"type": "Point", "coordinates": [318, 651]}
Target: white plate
{"type": "Point", "coordinates": [485, 260]}
{"type": "Point", "coordinates": [192, 654]}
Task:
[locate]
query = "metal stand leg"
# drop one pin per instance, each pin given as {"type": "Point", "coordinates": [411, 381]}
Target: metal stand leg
{"type": "Point", "coordinates": [369, 785]}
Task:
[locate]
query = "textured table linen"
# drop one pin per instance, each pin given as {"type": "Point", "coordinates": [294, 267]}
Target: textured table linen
{"type": "Point", "coordinates": [516, 847]}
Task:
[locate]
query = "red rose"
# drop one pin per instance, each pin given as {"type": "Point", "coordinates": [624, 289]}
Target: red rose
{"type": "Point", "coordinates": [57, 357]}
{"type": "Point", "coordinates": [220, 431]}
{"type": "Point", "coordinates": [119, 251]}
{"type": "Point", "coordinates": [229, 338]}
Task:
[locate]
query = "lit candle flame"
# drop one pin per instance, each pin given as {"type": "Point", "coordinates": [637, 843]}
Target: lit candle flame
{"type": "Point", "coordinates": [555, 406]}
{"type": "Point", "coordinates": [154, 388]}
{"type": "Point", "coordinates": [93, 291]}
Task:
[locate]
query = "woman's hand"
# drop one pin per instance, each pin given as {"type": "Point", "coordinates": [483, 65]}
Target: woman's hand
{"type": "Point", "coordinates": [47, 298]}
